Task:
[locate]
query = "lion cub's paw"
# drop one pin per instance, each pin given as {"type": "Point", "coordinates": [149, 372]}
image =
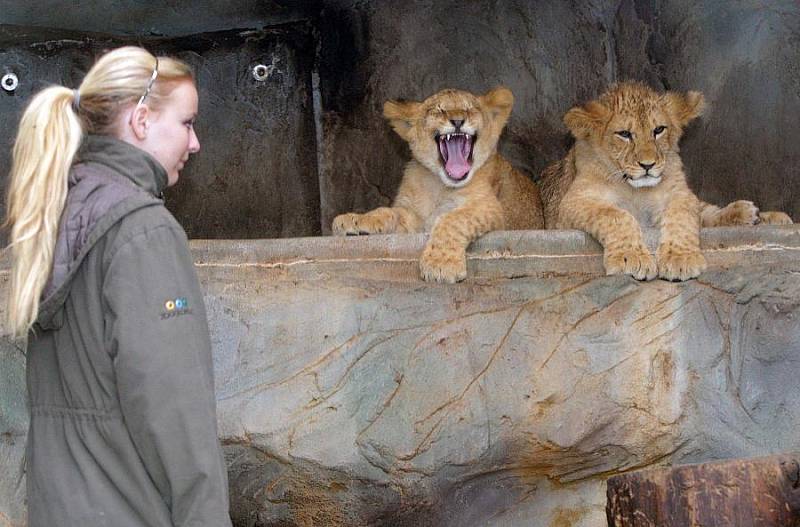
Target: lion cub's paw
{"type": "Point", "coordinates": [638, 263]}
{"type": "Point", "coordinates": [774, 218]}
{"type": "Point", "coordinates": [438, 265]}
{"type": "Point", "coordinates": [679, 265]}
{"type": "Point", "coordinates": [375, 222]}
{"type": "Point", "coordinates": [741, 212]}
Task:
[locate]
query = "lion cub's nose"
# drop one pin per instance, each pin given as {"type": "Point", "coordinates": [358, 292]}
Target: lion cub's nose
{"type": "Point", "coordinates": [457, 123]}
{"type": "Point", "coordinates": [647, 166]}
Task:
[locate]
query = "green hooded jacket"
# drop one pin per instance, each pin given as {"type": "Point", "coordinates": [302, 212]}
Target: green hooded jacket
{"type": "Point", "coordinates": [123, 429]}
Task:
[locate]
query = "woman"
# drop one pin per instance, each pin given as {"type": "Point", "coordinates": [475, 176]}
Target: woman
{"type": "Point", "coordinates": [120, 382]}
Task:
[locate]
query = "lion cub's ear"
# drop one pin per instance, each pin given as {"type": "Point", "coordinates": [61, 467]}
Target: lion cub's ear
{"type": "Point", "coordinates": [499, 102]}
{"type": "Point", "coordinates": [684, 106]}
{"type": "Point", "coordinates": [585, 120]}
{"type": "Point", "coordinates": [402, 116]}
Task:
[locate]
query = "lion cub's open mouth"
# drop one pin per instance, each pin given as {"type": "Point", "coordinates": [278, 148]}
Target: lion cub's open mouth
{"type": "Point", "coordinates": [456, 152]}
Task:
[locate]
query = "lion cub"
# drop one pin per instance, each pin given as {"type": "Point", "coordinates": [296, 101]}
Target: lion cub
{"type": "Point", "coordinates": [623, 171]}
{"type": "Point", "coordinates": [457, 187]}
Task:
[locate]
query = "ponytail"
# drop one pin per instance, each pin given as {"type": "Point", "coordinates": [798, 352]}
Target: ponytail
{"type": "Point", "coordinates": [48, 138]}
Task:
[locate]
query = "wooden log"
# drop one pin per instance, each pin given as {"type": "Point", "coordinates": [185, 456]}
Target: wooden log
{"type": "Point", "coordinates": [759, 492]}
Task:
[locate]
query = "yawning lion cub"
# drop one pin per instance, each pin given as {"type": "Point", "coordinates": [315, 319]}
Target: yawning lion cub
{"type": "Point", "coordinates": [457, 187]}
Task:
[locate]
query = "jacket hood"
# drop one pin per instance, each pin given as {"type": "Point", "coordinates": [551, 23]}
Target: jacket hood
{"type": "Point", "coordinates": [124, 159]}
{"type": "Point", "coordinates": [109, 180]}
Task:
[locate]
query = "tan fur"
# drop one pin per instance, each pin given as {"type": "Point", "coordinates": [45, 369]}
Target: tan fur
{"type": "Point", "coordinates": [492, 196]}
{"type": "Point", "coordinates": [591, 188]}
{"type": "Point", "coordinates": [740, 212]}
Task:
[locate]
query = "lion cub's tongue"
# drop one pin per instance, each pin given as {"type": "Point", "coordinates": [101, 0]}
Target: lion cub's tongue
{"type": "Point", "coordinates": [456, 156]}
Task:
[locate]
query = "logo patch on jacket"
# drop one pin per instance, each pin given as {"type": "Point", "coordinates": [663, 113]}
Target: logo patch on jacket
{"type": "Point", "coordinates": [175, 307]}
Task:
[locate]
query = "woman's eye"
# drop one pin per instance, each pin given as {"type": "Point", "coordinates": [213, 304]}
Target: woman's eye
{"type": "Point", "coordinates": [658, 130]}
{"type": "Point", "coordinates": [625, 134]}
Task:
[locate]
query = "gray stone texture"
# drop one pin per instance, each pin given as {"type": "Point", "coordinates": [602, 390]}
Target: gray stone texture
{"type": "Point", "coordinates": [351, 393]}
{"type": "Point", "coordinates": [141, 18]}
{"type": "Point", "coordinates": [13, 431]}
{"type": "Point", "coordinates": [282, 157]}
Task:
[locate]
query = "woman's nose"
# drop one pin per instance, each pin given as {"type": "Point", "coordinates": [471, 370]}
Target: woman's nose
{"type": "Point", "coordinates": [194, 143]}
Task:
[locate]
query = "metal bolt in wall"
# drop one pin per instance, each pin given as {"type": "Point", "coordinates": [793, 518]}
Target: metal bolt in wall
{"type": "Point", "coordinates": [9, 82]}
{"type": "Point", "coordinates": [261, 72]}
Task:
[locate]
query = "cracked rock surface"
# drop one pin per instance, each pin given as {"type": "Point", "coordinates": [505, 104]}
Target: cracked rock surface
{"type": "Point", "coordinates": [351, 393]}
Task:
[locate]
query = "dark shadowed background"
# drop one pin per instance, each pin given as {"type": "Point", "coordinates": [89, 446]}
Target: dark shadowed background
{"type": "Point", "coordinates": [282, 155]}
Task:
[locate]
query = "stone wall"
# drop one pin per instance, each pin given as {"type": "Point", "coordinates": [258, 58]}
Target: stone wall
{"type": "Point", "coordinates": [351, 393]}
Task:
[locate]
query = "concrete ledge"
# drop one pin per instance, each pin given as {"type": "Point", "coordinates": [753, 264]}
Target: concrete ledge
{"type": "Point", "coordinates": [497, 254]}
{"type": "Point", "coordinates": [499, 244]}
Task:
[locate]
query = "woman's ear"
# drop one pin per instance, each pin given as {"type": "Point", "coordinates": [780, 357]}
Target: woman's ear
{"type": "Point", "coordinates": [138, 121]}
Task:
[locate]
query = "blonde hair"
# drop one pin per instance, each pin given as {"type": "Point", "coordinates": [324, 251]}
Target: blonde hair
{"type": "Point", "coordinates": [50, 132]}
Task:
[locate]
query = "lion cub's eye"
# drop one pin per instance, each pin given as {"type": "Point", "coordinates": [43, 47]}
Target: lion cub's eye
{"type": "Point", "coordinates": [658, 130]}
{"type": "Point", "coordinates": [625, 134]}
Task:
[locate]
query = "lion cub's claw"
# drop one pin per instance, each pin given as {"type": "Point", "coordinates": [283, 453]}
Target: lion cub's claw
{"type": "Point", "coordinates": [352, 224]}
{"type": "Point", "coordinates": [775, 218]}
{"type": "Point", "coordinates": [346, 224]}
{"type": "Point", "coordinates": [638, 263]}
{"type": "Point", "coordinates": [741, 212]}
{"type": "Point", "coordinates": [678, 266]}
{"type": "Point", "coordinates": [437, 265]}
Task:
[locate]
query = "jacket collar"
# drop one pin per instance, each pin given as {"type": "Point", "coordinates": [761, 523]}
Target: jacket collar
{"type": "Point", "coordinates": [125, 159]}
